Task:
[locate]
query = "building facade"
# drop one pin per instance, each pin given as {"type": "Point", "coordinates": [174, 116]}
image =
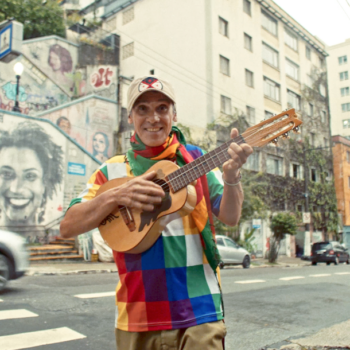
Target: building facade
{"type": "Point", "coordinates": [339, 87]}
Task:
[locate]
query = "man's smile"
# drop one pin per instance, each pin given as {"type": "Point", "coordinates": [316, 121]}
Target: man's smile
{"type": "Point", "coordinates": [18, 203]}
{"type": "Point", "coordinates": [153, 129]}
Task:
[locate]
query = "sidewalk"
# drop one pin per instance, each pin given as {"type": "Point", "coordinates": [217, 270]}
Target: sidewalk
{"type": "Point", "coordinates": [87, 267]}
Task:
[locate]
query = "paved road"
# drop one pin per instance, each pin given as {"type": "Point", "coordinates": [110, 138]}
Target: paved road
{"type": "Point", "coordinates": [264, 306]}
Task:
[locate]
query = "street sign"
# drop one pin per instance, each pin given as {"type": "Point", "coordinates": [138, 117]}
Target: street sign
{"type": "Point", "coordinates": [306, 218]}
{"type": "Point", "coordinates": [256, 223]}
{"type": "Point", "coordinates": [11, 34]}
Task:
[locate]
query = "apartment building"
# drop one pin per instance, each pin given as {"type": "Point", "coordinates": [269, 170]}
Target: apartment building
{"type": "Point", "coordinates": [339, 87]}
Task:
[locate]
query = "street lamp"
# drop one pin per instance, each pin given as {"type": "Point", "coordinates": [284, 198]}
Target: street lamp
{"type": "Point", "coordinates": [18, 68]}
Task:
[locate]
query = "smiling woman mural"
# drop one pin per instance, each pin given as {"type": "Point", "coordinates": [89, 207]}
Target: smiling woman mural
{"type": "Point", "coordinates": [31, 172]}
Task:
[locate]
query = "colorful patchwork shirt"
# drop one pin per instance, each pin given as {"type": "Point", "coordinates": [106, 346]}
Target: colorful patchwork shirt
{"type": "Point", "coordinates": [171, 285]}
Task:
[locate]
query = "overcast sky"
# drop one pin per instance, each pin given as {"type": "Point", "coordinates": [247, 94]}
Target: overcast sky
{"type": "Point", "coordinates": [329, 20]}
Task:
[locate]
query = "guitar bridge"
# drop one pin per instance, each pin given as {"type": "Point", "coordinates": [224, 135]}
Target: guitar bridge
{"type": "Point", "coordinates": [128, 218]}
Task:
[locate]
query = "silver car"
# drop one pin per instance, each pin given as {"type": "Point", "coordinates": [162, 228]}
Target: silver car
{"type": "Point", "coordinates": [14, 257]}
{"type": "Point", "coordinates": [231, 253]}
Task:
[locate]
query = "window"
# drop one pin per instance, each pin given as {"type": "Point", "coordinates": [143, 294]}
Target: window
{"type": "Point", "coordinates": [348, 156]}
{"type": "Point", "coordinates": [346, 123]}
{"type": "Point", "coordinates": [313, 175]}
{"type": "Point", "coordinates": [251, 114]}
{"type": "Point", "coordinates": [225, 105]}
{"type": "Point", "coordinates": [323, 116]}
{"type": "Point", "coordinates": [300, 208]}
{"type": "Point", "coordinates": [248, 43]}
{"type": "Point", "coordinates": [223, 27]}
{"type": "Point", "coordinates": [325, 142]}
{"type": "Point", "coordinates": [345, 107]}
{"type": "Point", "coordinates": [344, 75]}
{"type": "Point", "coordinates": [128, 15]}
{"type": "Point", "coordinates": [322, 90]}
{"type": "Point", "coordinates": [269, 23]}
{"type": "Point", "coordinates": [321, 62]}
{"type": "Point", "coordinates": [128, 50]}
{"type": "Point", "coordinates": [268, 114]}
{"type": "Point", "coordinates": [249, 78]}
{"type": "Point", "coordinates": [292, 69]}
{"type": "Point", "coordinates": [111, 23]}
{"type": "Point", "coordinates": [291, 40]}
{"type": "Point", "coordinates": [270, 55]}
{"type": "Point", "coordinates": [220, 241]}
{"type": "Point", "coordinates": [253, 162]}
{"type": "Point", "coordinates": [311, 110]}
{"type": "Point", "coordinates": [274, 165]}
{"type": "Point", "coordinates": [293, 100]}
{"type": "Point", "coordinates": [296, 171]}
{"type": "Point", "coordinates": [230, 243]}
{"type": "Point", "coordinates": [343, 59]}
{"type": "Point", "coordinates": [344, 91]}
{"type": "Point", "coordinates": [312, 139]}
{"type": "Point", "coordinates": [308, 52]}
{"type": "Point", "coordinates": [309, 81]}
{"type": "Point", "coordinates": [224, 65]}
{"type": "Point", "coordinates": [271, 89]}
{"type": "Point", "coordinates": [247, 7]}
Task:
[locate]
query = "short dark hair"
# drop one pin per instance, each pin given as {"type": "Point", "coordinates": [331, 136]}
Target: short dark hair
{"type": "Point", "coordinates": [58, 121]}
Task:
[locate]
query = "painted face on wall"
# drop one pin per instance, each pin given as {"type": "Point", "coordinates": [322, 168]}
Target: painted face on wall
{"type": "Point", "coordinates": [99, 143]}
{"type": "Point", "coordinates": [55, 61]}
{"type": "Point", "coordinates": [65, 126]}
{"type": "Point", "coordinates": [21, 184]}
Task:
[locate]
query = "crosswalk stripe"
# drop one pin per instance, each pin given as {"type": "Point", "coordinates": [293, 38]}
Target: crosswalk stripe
{"type": "Point", "coordinates": [95, 295]}
{"type": "Point", "coordinates": [291, 278]}
{"type": "Point", "coordinates": [342, 273]}
{"type": "Point", "coordinates": [39, 338]}
{"type": "Point", "coordinates": [20, 313]}
{"type": "Point", "coordinates": [250, 281]}
{"type": "Point", "coordinates": [321, 275]}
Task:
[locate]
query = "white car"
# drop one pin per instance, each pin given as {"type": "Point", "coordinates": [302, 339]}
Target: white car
{"type": "Point", "coordinates": [14, 257]}
{"type": "Point", "coordinates": [231, 253]}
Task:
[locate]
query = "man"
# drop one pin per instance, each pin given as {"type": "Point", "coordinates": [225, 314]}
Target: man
{"type": "Point", "coordinates": [168, 297]}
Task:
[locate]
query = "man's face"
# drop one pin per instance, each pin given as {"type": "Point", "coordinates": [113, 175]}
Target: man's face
{"type": "Point", "coordinates": [65, 126]}
{"type": "Point", "coordinates": [21, 183]}
{"type": "Point", "coordinates": [152, 116]}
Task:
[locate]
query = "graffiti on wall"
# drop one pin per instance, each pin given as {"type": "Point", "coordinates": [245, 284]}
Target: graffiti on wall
{"type": "Point", "coordinates": [90, 123]}
{"type": "Point", "coordinates": [31, 174]}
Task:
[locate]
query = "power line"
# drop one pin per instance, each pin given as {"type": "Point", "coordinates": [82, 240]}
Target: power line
{"type": "Point", "coordinates": [343, 8]}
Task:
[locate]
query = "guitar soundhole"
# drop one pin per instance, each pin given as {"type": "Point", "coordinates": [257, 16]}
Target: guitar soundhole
{"type": "Point", "coordinates": [148, 216]}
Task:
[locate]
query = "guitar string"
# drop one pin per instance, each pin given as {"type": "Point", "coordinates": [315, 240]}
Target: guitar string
{"type": "Point", "coordinates": [158, 181]}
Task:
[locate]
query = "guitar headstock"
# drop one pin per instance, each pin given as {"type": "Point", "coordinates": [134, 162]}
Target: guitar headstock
{"type": "Point", "coordinates": [270, 129]}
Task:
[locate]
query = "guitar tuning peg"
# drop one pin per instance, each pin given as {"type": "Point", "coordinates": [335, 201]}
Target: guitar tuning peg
{"type": "Point", "coordinates": [285, 135]}
{"type": "Point", "coordinates": [296, 129]}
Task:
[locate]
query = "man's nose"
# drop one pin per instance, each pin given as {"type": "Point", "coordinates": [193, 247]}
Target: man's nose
{"type": "Point", "coordinates": [154, 117]}
{"type": "Point", "coordinates": [16, 185]}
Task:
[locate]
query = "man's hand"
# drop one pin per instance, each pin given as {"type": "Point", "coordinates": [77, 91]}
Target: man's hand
{"type": "Point", "coordinates": [239, 155]}
{"type": "Point", "coordinates": [140, 193]}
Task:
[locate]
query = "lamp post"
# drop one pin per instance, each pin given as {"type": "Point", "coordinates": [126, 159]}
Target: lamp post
{"type": "Point", "coordinates": [18, 68]}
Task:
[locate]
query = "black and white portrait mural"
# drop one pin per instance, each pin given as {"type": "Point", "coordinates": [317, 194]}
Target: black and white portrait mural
{"type": "Point", "coordinates": [31, 176]}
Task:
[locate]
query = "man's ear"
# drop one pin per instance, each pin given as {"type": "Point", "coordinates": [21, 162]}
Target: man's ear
{"type": "Point", "coordinates": [130, 121]}
{"type": "Point", "coordinates": [175, 114]}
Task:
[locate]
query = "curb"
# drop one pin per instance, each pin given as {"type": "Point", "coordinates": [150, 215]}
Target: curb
{"type": "Point", "coordinates": [75, 272]}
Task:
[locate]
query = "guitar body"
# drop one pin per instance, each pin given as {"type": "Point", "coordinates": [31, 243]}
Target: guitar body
{"type": "Point", "coordinates": [128, 230]}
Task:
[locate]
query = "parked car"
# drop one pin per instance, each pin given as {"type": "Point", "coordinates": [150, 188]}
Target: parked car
{"type": "Point", "coordinates": [231, 253]}
{"type": "Point", "coordinates": [329, 252]}
{"type": "Point", "coordinates": [14, 257]}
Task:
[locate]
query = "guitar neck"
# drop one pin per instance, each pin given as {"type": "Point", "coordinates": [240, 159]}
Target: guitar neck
{"type": "Point", "coordinates": [201, 166]}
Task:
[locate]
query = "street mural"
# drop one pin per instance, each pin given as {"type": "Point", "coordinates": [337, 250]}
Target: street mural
{"type": "Point", "coordinates": [90, 122]}
{"type": "Point", "coordinates": [36, 92]}
{"type": "Point", "coordinates": [56, 57]}
{"type": "Point", "coordinates": [31, 175]}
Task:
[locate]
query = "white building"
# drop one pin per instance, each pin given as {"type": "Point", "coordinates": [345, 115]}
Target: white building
{"type": "Point", "coordinates": [339, 87]}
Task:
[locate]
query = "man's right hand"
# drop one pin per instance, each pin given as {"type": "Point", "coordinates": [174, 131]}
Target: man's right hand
{"type": "Point", "coordinates": [139, 193]}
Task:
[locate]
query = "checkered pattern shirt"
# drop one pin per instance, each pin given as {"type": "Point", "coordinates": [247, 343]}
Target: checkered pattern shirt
{"type": "Point", "coordinates": [171, 285]}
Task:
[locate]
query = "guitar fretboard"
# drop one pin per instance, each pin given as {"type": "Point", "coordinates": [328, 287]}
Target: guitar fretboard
{"type": "Point", "coordinates": [202, 165]}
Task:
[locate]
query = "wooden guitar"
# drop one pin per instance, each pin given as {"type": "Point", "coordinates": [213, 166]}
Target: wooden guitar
{"type": "Point", "coordinates": [129, 230]}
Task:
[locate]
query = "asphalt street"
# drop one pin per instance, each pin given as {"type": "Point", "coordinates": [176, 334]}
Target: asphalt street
{"type": "Point", "coordinates": [264, 307]}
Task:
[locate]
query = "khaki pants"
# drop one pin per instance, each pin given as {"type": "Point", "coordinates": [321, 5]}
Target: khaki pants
{"type": "Point", "coordinates": [205, 336]}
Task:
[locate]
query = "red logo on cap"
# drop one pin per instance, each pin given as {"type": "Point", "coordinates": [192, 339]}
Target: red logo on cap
{"type": "Point", "coordinates": [150, 83]}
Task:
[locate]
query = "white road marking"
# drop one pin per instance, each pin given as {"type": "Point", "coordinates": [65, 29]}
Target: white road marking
{"type": "Point", "coordinates": [20, 313]}
{"type": "Point", "coordinates": [321, 275]}
{"type": "Point", "coordinates": [95, 295]}
{"type": "Point", "coordinates": [250, 281]}
{"type": "Point", "coordinates": [291, 278]}
{"type": "Point", "coordinates": [33, 339]}
{"type": "Point", "coordinates": [342, 273]}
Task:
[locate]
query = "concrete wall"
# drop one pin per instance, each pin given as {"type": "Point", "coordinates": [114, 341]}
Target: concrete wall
{"type": "Point", "coordinates": [90, 121]}
{"type": "Point", "coordinates": [41, 170]}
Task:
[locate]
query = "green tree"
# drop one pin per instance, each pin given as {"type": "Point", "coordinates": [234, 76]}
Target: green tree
{"type": "Point", "coordinates": [39, 18]}
{"type": "Point", "coordinates": [281, 224]}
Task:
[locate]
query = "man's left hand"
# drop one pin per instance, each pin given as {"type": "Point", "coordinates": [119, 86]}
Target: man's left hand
{"type": "Point", "coordinates": [239, 155]}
